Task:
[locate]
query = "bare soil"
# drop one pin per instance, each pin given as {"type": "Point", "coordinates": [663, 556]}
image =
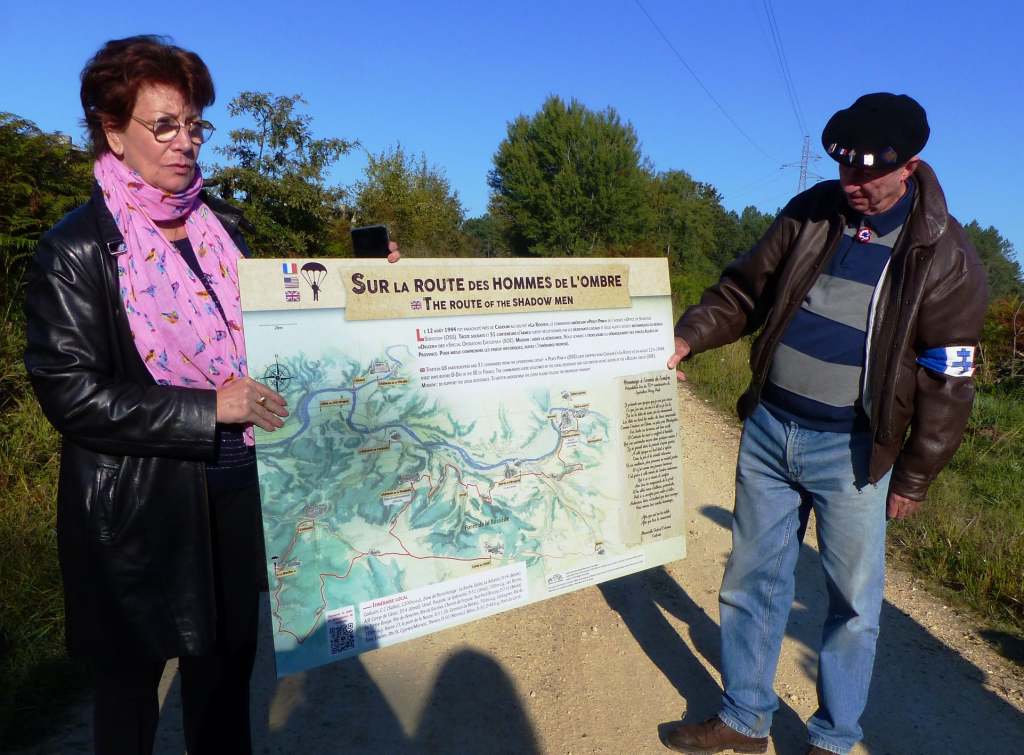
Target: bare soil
{"type": "Point", "coordinates": [602, 669]}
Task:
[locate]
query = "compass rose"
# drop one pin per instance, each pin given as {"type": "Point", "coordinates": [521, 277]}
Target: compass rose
{"type": "Point", "coordinates": [277, 375]}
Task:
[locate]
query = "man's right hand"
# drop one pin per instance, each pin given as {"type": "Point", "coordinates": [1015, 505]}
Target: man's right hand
{"type": "Point", "coordinates": [682, 350]}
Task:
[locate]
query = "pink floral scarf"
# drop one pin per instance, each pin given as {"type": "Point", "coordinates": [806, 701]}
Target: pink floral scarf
{"type": "Point", "coordinates": [179, 332]}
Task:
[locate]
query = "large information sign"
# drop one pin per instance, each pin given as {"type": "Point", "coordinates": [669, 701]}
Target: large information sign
{"type": "Point", "coordinates": [464, 438]}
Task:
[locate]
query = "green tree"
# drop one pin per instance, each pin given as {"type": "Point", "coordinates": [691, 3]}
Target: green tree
{"type": "Point", "coordinates": [569, 180]}
{"type": "Point", "coordinates": [415, 201]}
{"type": "Point", "coordinates": [752, 225]}
{"type": "Point", "coordinates": [1002, 341]}
{"type": "Point", "coordinates": [43, 176]}
{"type": "Point", "coordinates": [684, 223]}
{"type": "Point", "coordinates": [996, 252]}
{"type": "Point", "coordinates": [277, 176]}
{"type": "Point", "coordinates": [487, 235]}
{"type": "Point", "coordinates": [737, 233]}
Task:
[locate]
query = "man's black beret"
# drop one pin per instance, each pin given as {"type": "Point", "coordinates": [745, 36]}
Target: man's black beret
{"type": "Point", "coordinates": [877, 130]}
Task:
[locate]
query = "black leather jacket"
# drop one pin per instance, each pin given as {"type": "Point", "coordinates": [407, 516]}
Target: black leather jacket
{"type": "Point", "coordinates": [133, 527]}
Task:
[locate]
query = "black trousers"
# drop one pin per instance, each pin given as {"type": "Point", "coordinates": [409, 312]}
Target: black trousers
{"type": "Point", "coordinates": [215, 687]}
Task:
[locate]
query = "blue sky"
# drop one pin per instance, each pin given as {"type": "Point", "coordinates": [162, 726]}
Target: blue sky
{"type": "Point", "coordinates": [444, 78]}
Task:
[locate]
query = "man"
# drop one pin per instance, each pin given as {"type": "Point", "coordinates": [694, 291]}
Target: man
{"type": "Point", "coordinates": [871, 301]}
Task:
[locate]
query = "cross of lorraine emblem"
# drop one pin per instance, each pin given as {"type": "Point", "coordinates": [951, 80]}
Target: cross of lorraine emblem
{"type": "Point", "coordinates": [965, 362]}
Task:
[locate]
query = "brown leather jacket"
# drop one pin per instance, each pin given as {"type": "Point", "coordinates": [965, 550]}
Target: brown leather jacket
{"type": "Point", "coordinates": [933, 294]}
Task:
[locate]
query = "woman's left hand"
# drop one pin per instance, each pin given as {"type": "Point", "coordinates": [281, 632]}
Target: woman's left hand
{"type": "Point", "coordinates": [393, 254]}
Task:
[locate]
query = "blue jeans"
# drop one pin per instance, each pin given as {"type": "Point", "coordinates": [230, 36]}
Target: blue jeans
{"type": "Point", "coordinates": [780, 466]}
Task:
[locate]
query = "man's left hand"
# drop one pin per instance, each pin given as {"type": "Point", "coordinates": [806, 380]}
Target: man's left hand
{"type": "Point", "coordinates": [393, 254]}
{"type": "Point", "coordinates": [900, 507]}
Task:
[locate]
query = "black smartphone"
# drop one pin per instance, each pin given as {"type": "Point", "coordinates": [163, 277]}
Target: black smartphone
{"type": "Point", "coordinates": [370, 241]}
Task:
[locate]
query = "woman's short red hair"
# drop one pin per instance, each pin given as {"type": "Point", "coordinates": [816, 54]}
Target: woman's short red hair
{"type": "Point", "coordinates": [112, 78]}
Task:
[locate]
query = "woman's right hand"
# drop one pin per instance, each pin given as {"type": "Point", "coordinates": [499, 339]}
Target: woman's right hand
{"type": "Point", "coordinates": [245, 401]}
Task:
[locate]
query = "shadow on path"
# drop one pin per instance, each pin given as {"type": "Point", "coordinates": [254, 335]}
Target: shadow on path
{"type": "Point", "coordinates": [473, 708]}
{"type": "Point", "coordinates": [924, 698]}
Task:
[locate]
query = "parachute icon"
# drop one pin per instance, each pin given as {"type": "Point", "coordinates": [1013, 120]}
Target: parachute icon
{"type": "Point", "coordinates": [314, 273]}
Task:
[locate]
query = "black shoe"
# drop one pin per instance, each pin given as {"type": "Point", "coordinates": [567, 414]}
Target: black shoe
{"type": "Point", "coordinates": [714, 735]}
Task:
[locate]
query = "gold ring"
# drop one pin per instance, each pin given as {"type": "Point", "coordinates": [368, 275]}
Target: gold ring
{"type": "Point", "coordinates": [261, 400]}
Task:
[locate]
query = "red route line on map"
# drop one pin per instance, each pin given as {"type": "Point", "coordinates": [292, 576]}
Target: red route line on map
{"type": "Point", "coordinates": [324, 575]}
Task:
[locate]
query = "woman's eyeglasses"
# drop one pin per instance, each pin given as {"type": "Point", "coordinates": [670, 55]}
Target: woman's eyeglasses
{"type": "Point", "coordinates": [166, 128]}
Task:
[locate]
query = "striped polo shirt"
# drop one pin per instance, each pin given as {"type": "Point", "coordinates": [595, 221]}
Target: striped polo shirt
{"type": "Point", "coordinates": [815, 377]}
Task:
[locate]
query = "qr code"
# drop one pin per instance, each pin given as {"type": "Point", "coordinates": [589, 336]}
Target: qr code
{"type": "Point", "coordinates": [341, 630]}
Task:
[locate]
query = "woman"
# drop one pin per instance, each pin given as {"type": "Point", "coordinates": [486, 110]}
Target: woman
{"type": "Point", "coordinates": [136, 355]}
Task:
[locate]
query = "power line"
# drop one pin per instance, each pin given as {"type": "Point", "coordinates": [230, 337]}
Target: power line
{"type": "Point", "coordinates": [787, 77]}
{"type": "Point", "coordinates": [696, 78]}
{"type": "Point", "coordinates": [768, 178]}
{"type": "Point", "coordinates": [794, 100]}
{"type": "Point", "coordinates": [772, 198]}
{"type": "Point", "coordinates": [805, 155]}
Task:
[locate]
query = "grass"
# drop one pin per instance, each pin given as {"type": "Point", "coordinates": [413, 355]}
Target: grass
{"type": "Point", "coordinates": [969, 537]}
{"type": "Point", "coordinates": [36, 674]}
{"type": "Point", "coordinates": [720, 376]}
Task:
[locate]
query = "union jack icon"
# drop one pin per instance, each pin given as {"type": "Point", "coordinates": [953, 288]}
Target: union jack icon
{"type": "Point", "coordinates": [290, 273]}
{"type": "Point", "coordinates": [416, 304]}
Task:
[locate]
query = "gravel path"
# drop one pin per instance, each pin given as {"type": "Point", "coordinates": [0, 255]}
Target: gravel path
{"type": "Point", "coordinates": [600, 670]}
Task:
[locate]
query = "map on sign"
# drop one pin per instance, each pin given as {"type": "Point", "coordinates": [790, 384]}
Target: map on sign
{"type": "Point", "coordinates": [426, 477]}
